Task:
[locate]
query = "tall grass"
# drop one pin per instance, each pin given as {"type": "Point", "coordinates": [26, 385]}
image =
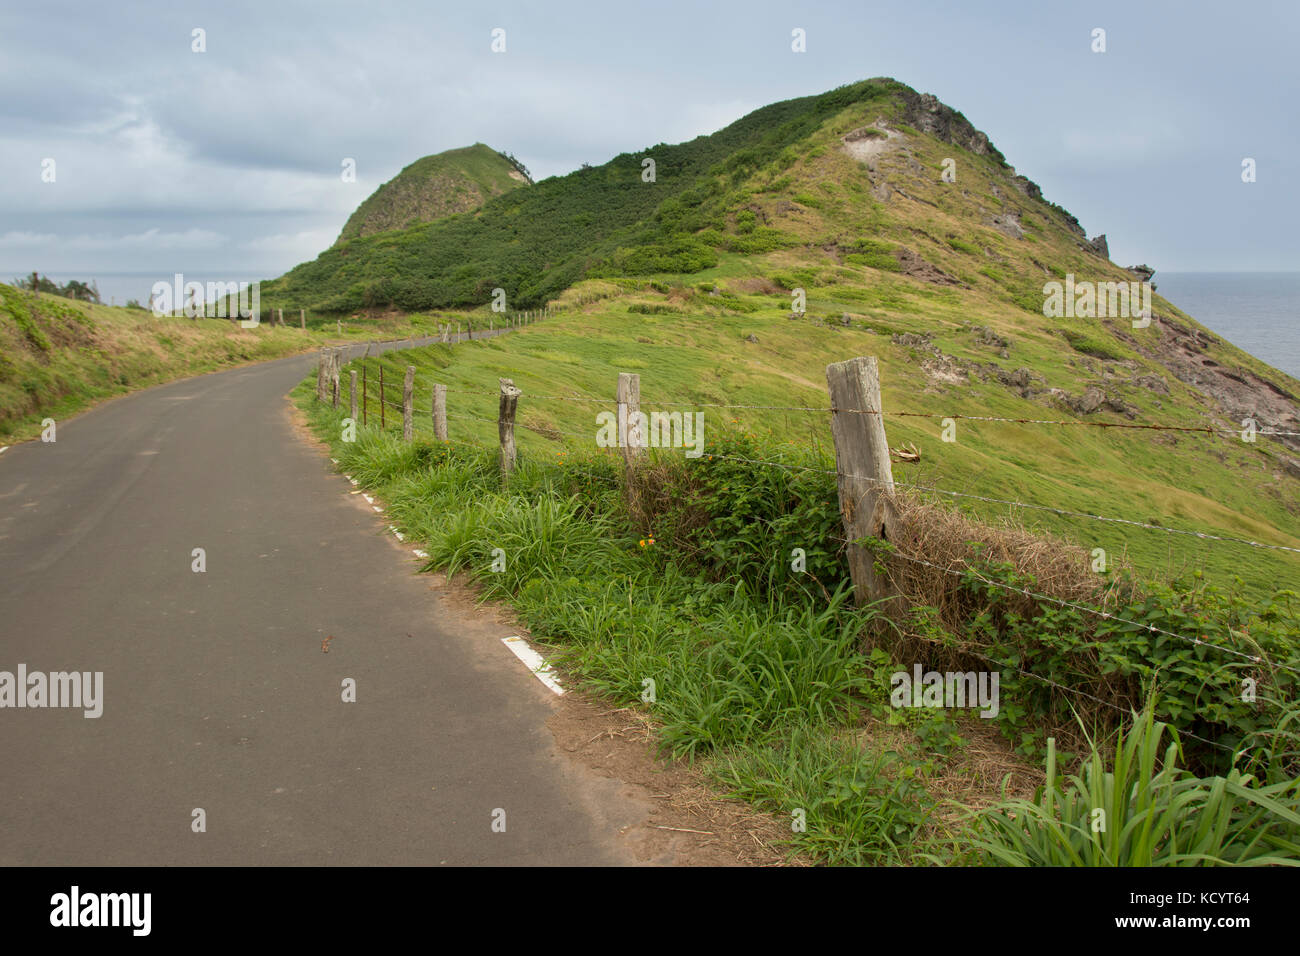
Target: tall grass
{"type": "Point", "coordinates": [1140, 808]}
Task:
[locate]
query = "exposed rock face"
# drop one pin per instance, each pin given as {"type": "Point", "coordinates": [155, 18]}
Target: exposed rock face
{"type": "Point", "coordinates": [1238, 392]}
{"type": "Point", "coordinates": [1152, 383]}
{"type": "Point", "coordinates": [913, 265]}
{"type": "Point", "coordinates": [1027, 187]}
{"type": "Point", "coordinates": [1009, 225]}
{"type": "Point", "coordinates": [912, 340]}
{"type": "Point", "coordinates": [1098, 245]}
{"type": "Point", "coordinates": [751, 338]}
{"type": "Point", "coordinates": [986, 336]}
{"type": "Point", "coordinates": [924, 112]}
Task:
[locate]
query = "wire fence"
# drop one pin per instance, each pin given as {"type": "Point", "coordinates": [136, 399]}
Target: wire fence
{"type": "Point", "coordinates": [405, 410]}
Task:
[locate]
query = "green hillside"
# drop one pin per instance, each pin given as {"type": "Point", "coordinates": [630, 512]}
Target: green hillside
{"type": "Point", "coordinates": [59, 356]}
{"type": "Point", "coordinates": [842, 196]}
{"type": "Point", "coordinates": [433, 188]}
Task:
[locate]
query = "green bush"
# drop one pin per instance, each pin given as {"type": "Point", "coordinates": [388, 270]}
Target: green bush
{"type": "Point", "coordinates": [1225, 639]}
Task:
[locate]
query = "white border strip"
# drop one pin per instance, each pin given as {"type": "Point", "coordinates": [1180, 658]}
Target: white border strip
{"type": "Point", "coordinates": [533, 661]}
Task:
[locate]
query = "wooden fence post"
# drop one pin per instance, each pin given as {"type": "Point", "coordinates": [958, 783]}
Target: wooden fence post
{"type": "Point", "coordinates": [383, 402]}
{"type": "Point", "coordinates": [320, 376]}
{"type": "Point", "coordinates": [439, 412]}
{"type": "Point", "coordinates": [302, 319]}
{"type": "Point", "coordinates": [506, 424]}
{"type": "Point", "coordinates": [336, 369]}
{"type": "Point", "coordinates": [352, 393]}
{"type": "Point", "coordinates": [365, 397]}
{"type": "Point", "coordinates": [408, 404]}
{"type": "Point", "coordinates": [863, 473]}
{"type": "Point", "coordinates": [630, 434]}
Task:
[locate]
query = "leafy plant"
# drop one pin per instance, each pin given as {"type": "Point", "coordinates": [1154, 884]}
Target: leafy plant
{"type": "Point", "coordinates": [1143, 809]}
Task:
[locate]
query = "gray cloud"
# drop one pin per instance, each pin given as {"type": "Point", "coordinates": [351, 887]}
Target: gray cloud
{"type": "Point", "coordinates": [158, 147]}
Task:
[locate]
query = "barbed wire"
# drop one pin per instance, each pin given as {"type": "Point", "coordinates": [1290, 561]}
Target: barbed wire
{"type": "Point", "coordinates": [1106, 615]}
{"type": "Point", "coordinates": [822, 409]}
{"type": "Point", "coordinates": [1062, 512]}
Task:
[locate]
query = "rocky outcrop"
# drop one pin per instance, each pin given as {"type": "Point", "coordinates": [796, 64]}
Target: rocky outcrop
{"type": "Point", "coordinates": [1238, 392]}
{"type": "Point", "coordinates": [1098, 245]}
{"type": "Point", "coordinates": [911, 264]}
{"type": "Point", "coordinates": [924, 112]}
{"type": "Point", "coordinates": [1009, 225]}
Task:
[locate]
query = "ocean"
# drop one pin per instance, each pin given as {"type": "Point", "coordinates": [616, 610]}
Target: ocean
{"type": "Point", "coordinates": [1255, 311]}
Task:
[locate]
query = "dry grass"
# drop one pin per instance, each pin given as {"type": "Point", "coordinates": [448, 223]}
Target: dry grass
{"type": "Point", "coordinates": [1053, 570]}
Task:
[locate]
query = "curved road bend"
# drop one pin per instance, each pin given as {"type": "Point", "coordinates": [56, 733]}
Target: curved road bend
{"type": "Point", "coordinates": [216, 693]}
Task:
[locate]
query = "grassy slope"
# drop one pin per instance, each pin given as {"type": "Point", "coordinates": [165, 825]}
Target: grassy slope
{"type": "Point", "coordinates": [58, 357]}
{"type": "Point", "coordinates": [1193, 482]}
{"type": "Point", "coordinates": [778, 190]}
{"type": "Point", "coordinates": [432, 187]}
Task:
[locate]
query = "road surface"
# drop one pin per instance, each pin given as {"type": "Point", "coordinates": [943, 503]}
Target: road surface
{"type": "Point", "coordinates": [217, 695]}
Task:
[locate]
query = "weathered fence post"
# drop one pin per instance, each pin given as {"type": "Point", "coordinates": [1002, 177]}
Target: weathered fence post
{"type": "Point", "coordinates": [408, 404]}
{"type": "Point", "coordinates": [439, 412]}
{"type": "Point", "coordinates": [863, 472]}
{"type": "Point", "coordinates": [506, 424]}
{"type": "Point", "coordinates": [339, 325]}
{"type": "Point", "coordinates": [336, 369]}
{"type": "Point", "coordinates": [365, 397]}
{"type": "Point", "coordinates": [321, 359]}
{"type": "Point", "coordinates": [352, 393]}
{"type": "Point", "coordinates": [302, 319]}
{"type": "Point", "coordinates": [383, 402]}
{"type": "Point", "coordinates": [630, 433]}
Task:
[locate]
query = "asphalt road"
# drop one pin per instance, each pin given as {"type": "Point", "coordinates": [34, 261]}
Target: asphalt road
{"type": "Point", "coordinates": [216, 692]}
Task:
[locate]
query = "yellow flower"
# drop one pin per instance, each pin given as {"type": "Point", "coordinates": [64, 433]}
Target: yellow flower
{"type": "Point", "coordinates": [643, 542]}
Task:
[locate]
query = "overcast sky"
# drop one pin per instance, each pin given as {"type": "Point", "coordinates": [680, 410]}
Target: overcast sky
{"type": "Point", "coordinates": [230, 160]}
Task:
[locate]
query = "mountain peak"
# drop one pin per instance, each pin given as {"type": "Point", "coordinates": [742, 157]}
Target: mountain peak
{"type": "Point", "coordinates": [434, 187]}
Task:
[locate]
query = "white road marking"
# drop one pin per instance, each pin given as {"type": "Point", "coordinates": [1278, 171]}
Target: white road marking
{"type": "Point", "coordinates": [377, 508]}
{"type": "Point", "coordinates": [533, 661]}
{"type": "Point", "coordinates": [4, 449]}
{"type": "Point", "coordinates": [397, 534]}
{"type": "Point", "coordinates": [419, 554]}
{"type": "Point", "coordinates": [368, 499]}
